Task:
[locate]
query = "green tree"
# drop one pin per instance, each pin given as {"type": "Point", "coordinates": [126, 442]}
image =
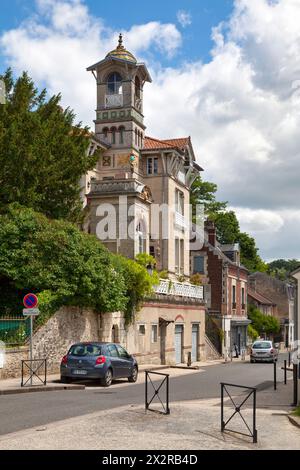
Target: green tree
{"type": "Point", "coordinates": [64, 266]}
{"type": "Point", "coordinates": [263, 323]}
{"type": "Point", "coordinates": [281, 268]}
{"type": "Point", "coordinates": [43, 154]}
{"type": "Point", "coordinates": [228, 228]}
{"type": "Point", "coordinates": [204, 193]}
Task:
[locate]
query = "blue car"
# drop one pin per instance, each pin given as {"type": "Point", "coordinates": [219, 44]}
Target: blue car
{"type": "Point", "coordinates": [100, 361]}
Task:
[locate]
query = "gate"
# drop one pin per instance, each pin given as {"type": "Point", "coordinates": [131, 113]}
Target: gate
{"type": "Point", "coordinates": [237, 410]}
{"type": "Point", "coordinates": [37, 369]}
{"type": "Point", "coordinates": [156, 391]}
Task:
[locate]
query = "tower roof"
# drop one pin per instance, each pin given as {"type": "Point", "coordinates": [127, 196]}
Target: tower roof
{"type": "Point", "coordinates": [121, 53]}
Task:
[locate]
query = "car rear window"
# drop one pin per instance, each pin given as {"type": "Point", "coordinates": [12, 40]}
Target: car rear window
{"type": "Point", "coordinates": [262, 345]}
{"type": "Point", "coordinates": [85, 350]}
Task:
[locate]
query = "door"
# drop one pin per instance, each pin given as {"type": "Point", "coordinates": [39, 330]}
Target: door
{"type": "Point", "coordinates": [195, 342]}
{"type": "Point", "coordinates": [114, 359]}
{"type": "Point", "coordinates": [126, 362]}
{"type": "Point", "coordinates": [163, 343]}
{"type": "Point", "coordinates": [178, 343]}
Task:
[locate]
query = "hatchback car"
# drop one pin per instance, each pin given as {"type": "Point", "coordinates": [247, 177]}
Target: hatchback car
{"type": "Point", "coordinates": [263, 351]}
{"type": "Point", "coordinates": [99, 361]}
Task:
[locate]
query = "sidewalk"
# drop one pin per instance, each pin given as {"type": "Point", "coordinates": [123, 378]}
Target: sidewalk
{"type": "Point", "coordinates": [11, 386]}
{"type": "Point", "coordinates": [191, 425]}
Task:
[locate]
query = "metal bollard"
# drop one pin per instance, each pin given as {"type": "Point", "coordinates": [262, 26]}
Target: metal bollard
{"type": "Point", "coordinates": [295, 379]}
{"type": "Point", "coordinates": [275, 376]}
{"type": "Point", "coordinates": [284, 369]}
{"type": "Point", "coordinates": [189, 359]}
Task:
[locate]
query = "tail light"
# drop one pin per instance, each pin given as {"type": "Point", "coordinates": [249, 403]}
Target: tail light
{"type": "Point", "coordinates": [272, 351]}
{"type": "Point", "coordinates": [64, 359]}
{"type": "Point", "coordinates": [100, 360]}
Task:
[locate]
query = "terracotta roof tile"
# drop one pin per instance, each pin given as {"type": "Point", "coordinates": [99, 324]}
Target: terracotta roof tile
{"type": "Point", "coordinates": [151, 144]}
{"type": "Point", "coordinates": [259, 297]}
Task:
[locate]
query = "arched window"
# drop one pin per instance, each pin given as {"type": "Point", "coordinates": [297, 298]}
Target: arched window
{"type": "Point", "coordinates": [113, 131]}
{"type": "Point", "coordinates": [121, 134]}
{"type": "Point", "coordinates": [137, 87]}
{"type": "Point", "coordinates": [114, 84]}
{"type": "Point", "coordinates": [105, 132]}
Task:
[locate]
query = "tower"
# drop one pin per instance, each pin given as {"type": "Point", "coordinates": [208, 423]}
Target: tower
{"type": "Point", "coordinates": [119, 115]}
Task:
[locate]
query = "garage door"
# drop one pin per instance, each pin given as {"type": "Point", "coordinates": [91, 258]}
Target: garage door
{"type": "Point", "coordinates": [178, 343]}
{"type": "Point", "coordinates": [195, 340]}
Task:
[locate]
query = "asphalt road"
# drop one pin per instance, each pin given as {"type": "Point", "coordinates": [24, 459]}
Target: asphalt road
{"type": "Point", "coordinates": [22, 411]}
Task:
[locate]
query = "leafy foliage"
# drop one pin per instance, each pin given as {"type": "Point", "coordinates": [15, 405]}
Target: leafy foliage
{"type": "Point", "coordinates": [43, 154]}
{"type": "Point", "coordinates": [281, 268]}
{"type": "Point", "coordinates": [252, 333]}
{"type": "Point", "coordinates": [64, 266]}
{"type": "Point", "coordinates": [263, 323]}
{"type": "Point", "coordinates": [227, 224]}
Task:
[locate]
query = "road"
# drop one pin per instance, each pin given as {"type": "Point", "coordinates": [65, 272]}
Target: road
{"type": "Point", "coordinates": [22, 411]}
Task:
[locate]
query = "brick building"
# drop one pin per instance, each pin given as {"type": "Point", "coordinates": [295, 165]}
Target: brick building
{"type": "Point", "coordinates": [220, 268]}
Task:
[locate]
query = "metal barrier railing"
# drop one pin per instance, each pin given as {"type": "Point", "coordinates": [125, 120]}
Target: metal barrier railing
{"type": "Point", "coordinates": [157, 389]}
{"type": "Point", "coordinates": [237, 410]}
{"type": "Point", "coordinates": [34, 367]}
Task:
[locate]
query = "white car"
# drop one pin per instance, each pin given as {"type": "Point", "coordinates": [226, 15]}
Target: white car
{"type": "Point", "coordinates": [263, 350]}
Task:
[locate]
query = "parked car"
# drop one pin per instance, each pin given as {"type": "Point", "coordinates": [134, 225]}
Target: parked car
{"type": "Point", "coordinates": [99, 361]}
{"type": "Point", "coordinates": [263, 350]}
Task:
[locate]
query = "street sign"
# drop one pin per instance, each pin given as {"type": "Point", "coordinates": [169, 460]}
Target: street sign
{"type": "Point", "coordinates": [30, 301]}
{"type": "Point", "coordinates": [2, 92]}
{"type": "Point", "coordinates": [34, 312]}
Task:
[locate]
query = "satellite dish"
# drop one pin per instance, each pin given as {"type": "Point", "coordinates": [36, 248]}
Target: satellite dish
{"type": "Point", "coordinates": [2, 92]}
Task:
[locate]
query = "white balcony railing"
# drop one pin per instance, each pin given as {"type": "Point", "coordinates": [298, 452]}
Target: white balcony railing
{"type": "Point", "coordinates": [180, 220]}
{"type": "Point", "coordinates": [112, 101]}
{"type": "Point", "coordinates": [180, 289]}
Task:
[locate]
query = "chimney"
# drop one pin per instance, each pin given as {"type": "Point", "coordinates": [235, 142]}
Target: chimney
{"type": "Point", "coordinates": [211, 232]}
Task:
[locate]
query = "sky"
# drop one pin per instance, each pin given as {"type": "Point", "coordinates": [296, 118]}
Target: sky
{"type": "Point", "coordinates": [227, 73]}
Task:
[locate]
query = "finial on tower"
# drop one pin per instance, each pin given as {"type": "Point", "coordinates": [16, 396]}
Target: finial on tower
{"type": "Point", "coordinates": [120, 41]}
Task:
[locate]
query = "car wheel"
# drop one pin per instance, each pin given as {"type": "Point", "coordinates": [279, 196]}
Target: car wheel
{"type": "Point", "coordinates": [107, 379]}
{"type": "Point", "coordinates": [134, 375]}
{"type": "Point", "coordinates": [65, 380]}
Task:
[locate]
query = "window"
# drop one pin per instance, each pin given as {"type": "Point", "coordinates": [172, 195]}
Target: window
{"type": "Point", "coordinates": [105, 132]}
{"type": "Point", "coordinates": [114, 84]}
{"type": "Point", "coordinates": [152, 166]}
{"type": "Point", "coordinates": [154, 330]}
{"type": "Point", "coordinates": [179, 255]}
{"type": "Point", "coordinates": [152, 251]}
{"type": "Point", "coordinates": [179, 201]}
{"type": "Point", "coordinates": [141, 241]}
{"type": "Point", "coordinates": [243, 296]}
{"type": "Point", "coordinates": [142, 330]}
{"type": "Point", "coordinates": [112, 350]}
{"type": "Point", "coordinates": [137, 87]}
{"type": "Point", "coordinates": [199, 264]}
{"type": "Point", "coordinates": [234, 296]}
{"type": "Point", "coordinates": [121, 134]}
{"type": "Point", "coordinates": [84, 350]}
{"type": "Point", "coordinates": [121, 351]}
{"type": "Point", "coordinates": [113, 135]}
{"type": "Point", "coordinates": [136, 137]}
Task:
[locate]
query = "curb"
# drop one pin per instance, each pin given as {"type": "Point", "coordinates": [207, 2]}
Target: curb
{"type": "Point", "coordinates": [294, 421]}
{"type": "Point", "coordinates": [185, 367]}
{"type": "Point", "coordinates": [54, 388]}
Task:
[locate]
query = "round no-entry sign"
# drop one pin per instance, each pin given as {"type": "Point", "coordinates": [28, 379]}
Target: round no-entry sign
{"type": "Point", "coordinates": [30, 301]}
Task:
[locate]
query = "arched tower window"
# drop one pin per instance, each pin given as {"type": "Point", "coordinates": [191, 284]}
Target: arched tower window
{"type": "Point", "coordinates": [114, 84]}
{"type": "Point", "coordinates": [121, 134]}
{"type": "Point", "coordinates": [137, 83]}
{"type": "Point", "coordinates": [105, 132]}
{"type": "Point", "coordinates": [113, 131]}
{"type": "Point", "coordinates": [141, 237]}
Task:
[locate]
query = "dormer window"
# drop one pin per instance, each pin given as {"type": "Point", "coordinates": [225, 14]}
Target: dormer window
{"type": "Point", "coordinates": [114, 84]}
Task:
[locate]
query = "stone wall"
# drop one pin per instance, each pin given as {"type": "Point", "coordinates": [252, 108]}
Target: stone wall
{"type": "Point", "coordinates": [12, 362]}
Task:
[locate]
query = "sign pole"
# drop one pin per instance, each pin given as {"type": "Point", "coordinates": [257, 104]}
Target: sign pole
{"type": "Point", "coordinates": [31, 331]}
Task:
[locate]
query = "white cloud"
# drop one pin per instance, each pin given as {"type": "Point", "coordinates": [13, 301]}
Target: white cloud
{"type": "Point", "coordinates": [242, 108]}
{"type": "Point", "coordinates": [62, 38]}
{"type": "Point", "coordinates": [184, 18]}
